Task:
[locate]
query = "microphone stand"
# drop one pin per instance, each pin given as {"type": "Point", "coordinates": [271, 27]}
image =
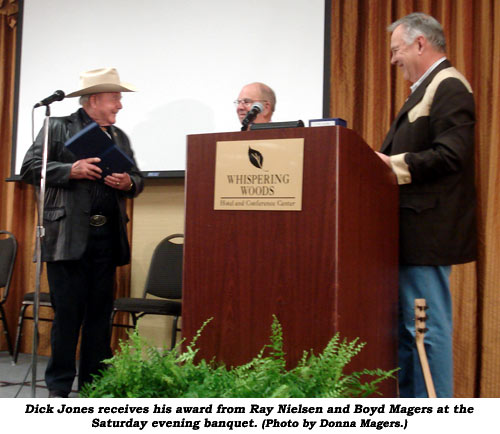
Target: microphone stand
{"type": "Point", "coordinates": [40, 233]}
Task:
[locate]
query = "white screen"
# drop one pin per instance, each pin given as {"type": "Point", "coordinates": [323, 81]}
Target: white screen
{"type": "Point", "coordinates": [188, 58]}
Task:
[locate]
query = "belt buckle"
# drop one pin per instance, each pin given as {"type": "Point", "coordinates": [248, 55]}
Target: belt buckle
{"type": "Point", "coordinates": [98, 220]}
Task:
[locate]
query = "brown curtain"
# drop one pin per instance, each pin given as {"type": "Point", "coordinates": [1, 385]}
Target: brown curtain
{"type": "Point", "coordinates": [368, 92]}
{"type": "Point", "coordinates": [17, 209]}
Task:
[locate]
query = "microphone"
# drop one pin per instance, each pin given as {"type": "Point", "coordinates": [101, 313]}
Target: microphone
{"type": "Point", "coordinates": [257, 108]}
{"type": "Point", "coordinates": [58, 95]}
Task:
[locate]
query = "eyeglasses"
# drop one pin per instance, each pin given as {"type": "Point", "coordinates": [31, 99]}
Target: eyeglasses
{"type": "Point", "coordinates": [247, 102]}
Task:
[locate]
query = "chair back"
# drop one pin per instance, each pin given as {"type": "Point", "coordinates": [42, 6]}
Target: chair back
{"type": "Point", "coordinates": [8, 251]}
{"type": "Point", "coordinates": [165, 272]}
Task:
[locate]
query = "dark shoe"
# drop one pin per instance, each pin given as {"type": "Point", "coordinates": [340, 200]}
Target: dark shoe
{"type": "Point", "coordinates": [58, 394]}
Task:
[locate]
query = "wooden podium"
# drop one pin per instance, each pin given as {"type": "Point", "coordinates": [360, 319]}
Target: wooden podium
{"type": "Point", "coordinates": [330, 267]}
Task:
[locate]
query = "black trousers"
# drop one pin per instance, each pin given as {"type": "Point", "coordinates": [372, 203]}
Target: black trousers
{"type": "Point", "coordinates": [82, 296]}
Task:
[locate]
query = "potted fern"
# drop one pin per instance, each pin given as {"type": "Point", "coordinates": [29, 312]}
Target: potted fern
{"type": "Point", "coordinates": [139, 370]}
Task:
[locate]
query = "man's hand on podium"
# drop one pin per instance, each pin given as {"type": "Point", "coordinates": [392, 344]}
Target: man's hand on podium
{"type": "Point", "coordinates": [384, 158]}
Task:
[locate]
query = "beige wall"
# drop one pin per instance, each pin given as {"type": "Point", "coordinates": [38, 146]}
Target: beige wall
{"type": "Point", "coordinates": [158, 212]}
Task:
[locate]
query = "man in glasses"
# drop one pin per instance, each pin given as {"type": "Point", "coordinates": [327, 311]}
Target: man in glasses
{"type": "Point", "coordinates": [256, 92]}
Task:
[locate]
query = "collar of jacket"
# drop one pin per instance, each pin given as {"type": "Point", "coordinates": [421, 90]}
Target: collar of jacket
{"type": "Point", "coordinates": [411, 101]}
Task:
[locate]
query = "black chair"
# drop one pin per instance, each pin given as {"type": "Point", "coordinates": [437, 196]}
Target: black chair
{"type": "Point", "coordinates": [8, 252]}
{"type": "Point", "coordinates": [164, 281]}
{"type": "Point", "coordinates": [29, 300]}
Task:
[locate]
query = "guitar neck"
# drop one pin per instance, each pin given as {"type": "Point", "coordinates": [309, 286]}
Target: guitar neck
{"type": "Point", "coordinates": [420, 329]}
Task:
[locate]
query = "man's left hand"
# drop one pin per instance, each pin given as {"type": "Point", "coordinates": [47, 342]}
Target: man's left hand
{"type": "Point", "coordinates": [119, 181]}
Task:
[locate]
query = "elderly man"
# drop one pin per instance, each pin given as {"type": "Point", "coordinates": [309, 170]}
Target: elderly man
{"type": "Point", "coordinates": [85, 230]}
{"type": "Point", "coordinates": [256, 92]}
{"type": "Point", "coordinates": [430, 147]}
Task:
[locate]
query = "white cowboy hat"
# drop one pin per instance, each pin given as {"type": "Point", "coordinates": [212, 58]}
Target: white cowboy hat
{"type": "Point", "coordinates": [99, 81]}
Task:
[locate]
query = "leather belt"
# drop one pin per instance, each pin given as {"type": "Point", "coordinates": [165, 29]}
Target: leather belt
{"type": "Point", "coordinates": [98, 220]}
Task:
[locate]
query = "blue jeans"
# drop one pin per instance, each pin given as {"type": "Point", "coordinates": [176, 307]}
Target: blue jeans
{"type": "Point", "coordinates": [431, 283]}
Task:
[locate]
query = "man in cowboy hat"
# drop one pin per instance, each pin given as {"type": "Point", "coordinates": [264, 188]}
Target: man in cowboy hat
{"type": "Point", "coordinates": [85, 230]}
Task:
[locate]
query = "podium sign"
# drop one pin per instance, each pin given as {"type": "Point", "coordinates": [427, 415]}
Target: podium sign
{"type": "Point", "coordinates": [259, 175]}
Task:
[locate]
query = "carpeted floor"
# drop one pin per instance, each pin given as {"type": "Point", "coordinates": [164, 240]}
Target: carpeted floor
{"type": "Point", "coordinates": [15, 380]}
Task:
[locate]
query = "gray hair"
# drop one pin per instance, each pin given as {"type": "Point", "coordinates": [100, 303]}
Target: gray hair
{"type": "Point", "coordinates": [420, 24]}
{"type": "Point", "coordinates": [84, 99]}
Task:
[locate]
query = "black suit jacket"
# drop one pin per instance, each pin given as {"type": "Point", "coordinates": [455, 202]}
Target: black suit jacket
{"type": "Point", "coordinates": [435, 127]}
{"type": "Point", "coordinates": [68, 201]}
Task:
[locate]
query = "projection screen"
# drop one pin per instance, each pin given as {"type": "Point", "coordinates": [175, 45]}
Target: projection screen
{"type": "Point", "coordinates": [188, 58]}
